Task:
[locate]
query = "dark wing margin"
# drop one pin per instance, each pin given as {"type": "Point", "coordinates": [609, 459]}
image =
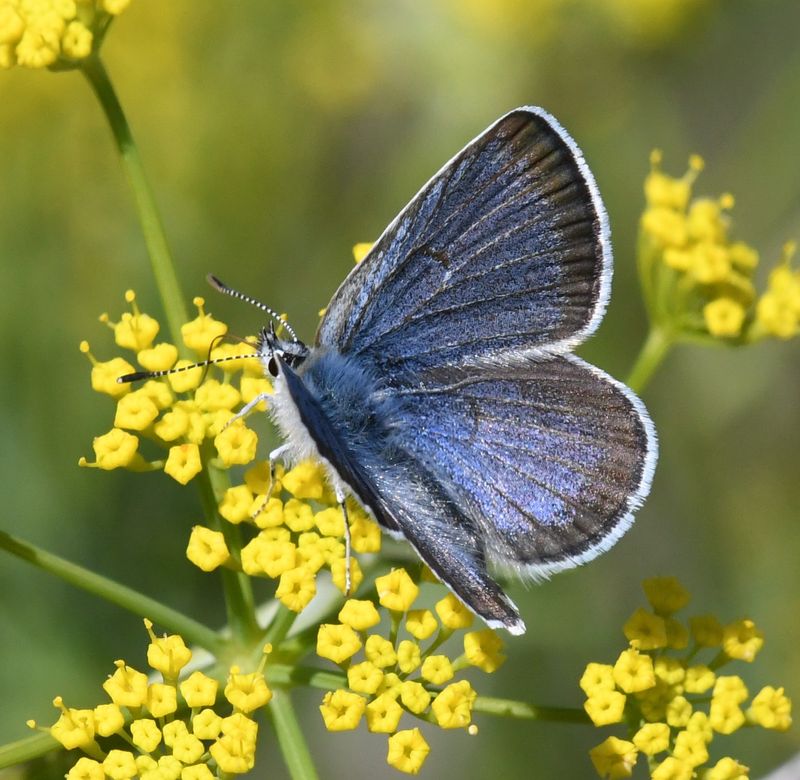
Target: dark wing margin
{"type": "Point", "coordinates": [552, 456]}
{"type": "Point", "coordinates": [404, 498]}
{"type": "Point", "coordinates": [506, 250]}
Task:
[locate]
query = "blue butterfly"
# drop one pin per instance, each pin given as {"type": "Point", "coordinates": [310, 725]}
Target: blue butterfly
{"type": "Point", "coordinates": [441, 390]}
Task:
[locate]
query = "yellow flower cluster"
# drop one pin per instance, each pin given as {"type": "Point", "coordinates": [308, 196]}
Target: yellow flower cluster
{"type": "Point", "coordinates": [172, 726]}
{"type": "Point", "coordinates": [295, 524]}
{"type": "Point", "coordinates": [298, 527]}
{"type": "Point", "coordinates": [699, 282]}
{"type": "Point", "coordinates": [52, 33]}
{"type": "Point", "coordinates": [399, 675]}
{"type": "Point", "coordinates": [192, 421]}
{"type": "Point", "coordinates": [673, 704]}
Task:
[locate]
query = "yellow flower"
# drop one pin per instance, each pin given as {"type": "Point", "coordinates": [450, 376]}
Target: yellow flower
{"type": "Point", "coordinates": [202, 331]}
{"type": "Point", "coordinates": [634, 672]}
{"type": "Point", "coordinates": [452, 708]}
{"type": "Point", "coordinates": [364, 677]}
{"type": "Point", "coordinates": [135, 331]}
{"type": "Point", "coordinates": [104, 375]}
{"type": "Point", "coordinates": [187, 749]}
{"type": "Point", "coordinates": [269, 514]}
{"type": "Point", "coordinates": [207, 549]}
{"type": "Point", "coordinates": [236, 444]}
{"type": "Point", "coordinates": [233, 755]}
{"type": "Point", "coordinates": [135, 411]}
{"type": "Point", "coordinates": [305, 480]}
{"type": "Point", "coordinates": [213, 396]}
{"type": "Point", "coordinates": [483, 649]}
{"type": "Point", "coordinates": [236, 503]}
{"type": "Point", "coordinates": [172, 731]}
{"type": "Point", "coordinates": [732, 687]}
{"type": "Point", "coordinates": [727, 769]}
{"type": "Point", "coordinates": [597, 677]}
{"type": "Point", "coordinates": [120, 765]}
{"type": "Point", "coordinates": [698, 679]}
{"type": "Point", "coordinates": [453, 613]}
{"type": "Point", "coordinates": [409, 656]}
{"type": "Point", "coordinates": [199, 690]}
{"type": "Point", "coordinates": [414, 697]}
{"type": "Point", "coordinates": [365, 535]}
{"type": "Point", "coordinates": [359, 615]}
{"type": "Point", "coordinates": [206, 724]}
{"type": "Point", "coordinates": [724, 317]}
{"type": "Point", "coordinates": [771, 708]}
{"type": "Point", "coordinates": [645, 631]}
{"type": "Point", "coordinates": [725, 715]}
{"type": "Point", "coordinates": [86, 769]}
{"type": "Point", "coordinates": [421, 623]}
{"type": "Point", "coordinates": [337, 642]}
{"type": "Point", "coordinates": [296, 588]}
{"type": "Point", "coordinates": [652, 738]}
{"type": "Point", "coordinates": [380, 651]}
{"type": "Point", "coordinates": [126, 687]}
{"type": "Point", "coordinates": [183, 463]}
{"type": "Point", "coordinates": [187, 378]}
{"type": "Point", "coordinates": [247, 692]}
{"type": "Point", "coordinates": [614, 758]}
{"type": "Point", "coordinates": [197, 772]}
{"type": "Point", "coordinates": [690, 748]}
{"type": "Point", "coordinates": [408, 751]}
{"type": "Point", "coordinates": [742, 640]}
{"type": "Point", "coordinates": [108, 719]}
{"type": "Point", "coordinates": [437, 669]}
{"type": "Point", "coordinates": [115, 449]}
{"type": "Point", "coordinates": [677, 634]}
{"type": "Point", "coordinates": [361, 250]}
{"type": "Point", "coordinates": [605, 707]}
{"type": "Point", "coordinates": [74, 728]}
{"type": "Point", "coordinates": [679, 710]}
{"type": "Point", "coordinates": [338, 574]}
{"type": "Point", "coordinates": [672, 768]}
{"type": "Point", "coordinates": [161, 357]}
{"type": "Point", "coordinates": [665, 594]}
{"type": "Point", "coordinates": [396, 590]}
{"type": "Point", "coordinates": [383, 714]}
{"type": "Point", "coordinates": [145, 734]}
{"type": "Point", "coordinates": [298, 515]}
{"type": "Point", "coordinates": [342, 710]}
{"type": "Point", "coordinates": [162, 699]}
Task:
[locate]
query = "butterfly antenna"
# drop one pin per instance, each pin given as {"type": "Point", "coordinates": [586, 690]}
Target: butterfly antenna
{"type": "Point", "coordinates": [137, 375]}
{"type": "Point", "coordinates": [220, 286]}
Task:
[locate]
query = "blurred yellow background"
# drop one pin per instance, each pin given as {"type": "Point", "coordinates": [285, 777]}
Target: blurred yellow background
{"type": "Point", "coordinates": [277, 135]}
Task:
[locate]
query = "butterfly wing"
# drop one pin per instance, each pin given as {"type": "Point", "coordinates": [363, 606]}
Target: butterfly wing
{"type": "Point", "coordinates": [548, 457]}
{"type": "Point", "coordinates": [504, 251]}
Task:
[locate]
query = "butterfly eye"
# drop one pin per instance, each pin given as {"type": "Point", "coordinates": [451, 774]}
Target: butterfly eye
{"type": "Point", "coordinates": [272, 367]}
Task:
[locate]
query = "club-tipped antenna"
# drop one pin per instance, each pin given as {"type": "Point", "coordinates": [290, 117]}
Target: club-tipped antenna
{"type": "Point", "coordinates": [137, 375]}
{"type": "Point", "coordinates": [220, 286]}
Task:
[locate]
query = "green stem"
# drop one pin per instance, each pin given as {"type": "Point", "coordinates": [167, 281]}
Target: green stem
{"type": "Point", "coordinates": [153, 230]}
{"type": "Point", "coordinates": [281, 624]}
{"type": "Point", "coordinates": [518, 709]}
{"type": "Point", "coordinates": [653, 351]}
{"type": "Point", "coordinates": [239, 601]}
{"type": "Point", "coordinates": [121, 595]}
{"type": "Point", "coordinates": [290, 737]}
{"type": "Point", "coordinates": [27, 749]}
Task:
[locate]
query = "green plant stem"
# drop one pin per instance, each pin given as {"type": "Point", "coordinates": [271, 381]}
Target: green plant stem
{"type": "Point", "coordinates": [239, 601]}
{"type": "Point", "coordinates": [290, 737]}
{"type": "Point", "coordinates": [522, 710]}
{"type": "Point", "coordinates": [155, 239]}
{"type": "Point", "coordinates": [655, 348]}
{"type": "Point", "coordinates": [26, 749]}
{"type": "Point", "coordinates": [115, 593]}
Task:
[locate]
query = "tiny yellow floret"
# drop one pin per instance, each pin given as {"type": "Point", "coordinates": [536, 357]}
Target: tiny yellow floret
{"type": "Point", "coordinates": [652, 738]}
{"type": "Point", "coordinates": [126, 687]}
{"type": "Point", "coordinates": [665, 594]}
{"type": "Point", "coordinates": [342, 710]}
{"type": "Point", "coordinates": [359, 615]}
{"type": "Point", "coordinates": [396, 590]}
{"type": "Point", "coordinates": [408, 751]}
{"type": "Point", "coordinates": [383, 714]}
{"type": "Point", "coordinates": [634, 672]}
{"type": "Point", "coordinates": [453, 613]}
{"type": "Point", "coordinates": [207, 549]}
{"type": "Point", "coordinates": [452, 707]}
{"type": "Point", "coordinates": [337, 642]}
{"type": "Point", "coordinates": [605, 707]}
{"type": "Point", "coordinates": [199, 690]}
{"type": "Point", "coordinates": [614, 758]}
{"type": "Point", "coordinates": [484, 649]}
{"type": "Point", "coordinates": [437, 669]}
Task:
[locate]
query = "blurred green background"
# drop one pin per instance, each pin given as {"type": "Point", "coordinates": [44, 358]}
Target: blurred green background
{"type": "Point", "coordinates": [277, 135]}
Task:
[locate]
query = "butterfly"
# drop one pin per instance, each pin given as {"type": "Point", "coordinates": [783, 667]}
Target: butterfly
{"type": "Point", "coordinates": [442, 391]}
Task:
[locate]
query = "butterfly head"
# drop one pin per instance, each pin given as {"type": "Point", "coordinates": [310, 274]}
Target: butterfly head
{"type": "Point", "coordinates": [270, 347]}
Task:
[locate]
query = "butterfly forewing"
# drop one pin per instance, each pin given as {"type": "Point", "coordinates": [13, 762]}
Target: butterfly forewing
{"type": "Point", "coordinates": [504, 251]}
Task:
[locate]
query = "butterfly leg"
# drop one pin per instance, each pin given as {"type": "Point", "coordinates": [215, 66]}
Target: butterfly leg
{"type": "Point", "coordinates": [247, 408]}
{"type": "Point", "coordinates": [342, 499]}
{"type": "Point", "coordinates": [274, 456]}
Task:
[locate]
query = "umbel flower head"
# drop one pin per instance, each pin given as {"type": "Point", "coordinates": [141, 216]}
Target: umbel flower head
{"type": "Point", "coordinates": [673, 701]}
{"type": "Point", "coordinates": [698, 282]}
{"type": "Point", "coordinates": [173, 729]}
{"type": "Point", "coordinates": [55, 34]}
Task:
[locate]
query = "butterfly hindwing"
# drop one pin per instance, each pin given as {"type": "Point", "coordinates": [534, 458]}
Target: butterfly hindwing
{"type": "Point", "coordinates": [505, 250]}
{"type": "Point", "coordinates": [550, 456]}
